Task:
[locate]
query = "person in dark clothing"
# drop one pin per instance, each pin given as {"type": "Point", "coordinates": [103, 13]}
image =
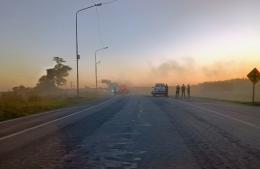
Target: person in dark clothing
{"type": "Point", "coordinates": [188, 90]}
{"type": "Point", "coordinates": [177, 91]}
{"type": "Point", "coordinates": [166, 90]}
{"type": "Point", "coordinates": [183, 91]}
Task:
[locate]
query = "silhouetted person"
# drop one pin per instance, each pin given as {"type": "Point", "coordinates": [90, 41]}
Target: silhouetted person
{"type": "Point", "coordinates": [177, 91]}
{"type": "Point", "coordinates": [166, 90]}
{"type": "Point", "coordinates": [188, 90]}
{"type": "Point", "coordinates": [183, 90]}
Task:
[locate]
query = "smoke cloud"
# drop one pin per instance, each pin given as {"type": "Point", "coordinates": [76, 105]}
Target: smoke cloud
{"type": "Point", "coordinates": [218, 69]}
{"type": "Point", "coordinates": [169, 67]}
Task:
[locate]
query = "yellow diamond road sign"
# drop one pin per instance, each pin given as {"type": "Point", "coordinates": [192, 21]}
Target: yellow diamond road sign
{"type": "Point", "coordinates": [254, 75]}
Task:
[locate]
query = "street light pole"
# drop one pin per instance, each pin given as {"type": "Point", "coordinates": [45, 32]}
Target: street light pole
{"type": "Point", "coordinates": [77, 48]}
{"type": "Point", "coordinates": [97, 63]}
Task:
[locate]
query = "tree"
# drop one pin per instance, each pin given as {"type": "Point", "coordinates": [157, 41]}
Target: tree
{"type": "Point", "coordinates": [55, 76]}
{"type": "Point", "coordinates": [60, 71]}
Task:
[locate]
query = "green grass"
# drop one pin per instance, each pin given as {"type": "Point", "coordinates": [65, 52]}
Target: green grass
{"type": "Point", "coordinates": [233, 101]}
{"type": "Point", "coordinates": [13, 105]}
{"type": "Point", "coordinates": [247, 103]}
{"type": "Point", "coordinates": [240, 102]}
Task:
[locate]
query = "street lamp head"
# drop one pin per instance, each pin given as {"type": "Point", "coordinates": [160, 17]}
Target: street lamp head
{"type": "Point", "coordinates": [98, 4]}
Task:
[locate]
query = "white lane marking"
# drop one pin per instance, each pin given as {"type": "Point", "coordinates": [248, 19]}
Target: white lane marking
{"type": "Point", "coordinates": [37, 114]}
{"type": "Point", "coordinates": [52, 121]}
{"type": "Point", "coordinates": [220, 114]}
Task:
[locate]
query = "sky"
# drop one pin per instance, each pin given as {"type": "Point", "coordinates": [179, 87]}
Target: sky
{"type": "Point", "coordinates": [171, 41]}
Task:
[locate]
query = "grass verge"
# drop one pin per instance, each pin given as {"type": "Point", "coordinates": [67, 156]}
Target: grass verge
{"type": "Point", "coordinates": [233, 101]}
{"type": "Point", "coordinates": [13, 105]}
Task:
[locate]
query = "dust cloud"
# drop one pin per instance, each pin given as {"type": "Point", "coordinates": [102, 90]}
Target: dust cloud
{"type": "Point", "coordinates": [182, 66]}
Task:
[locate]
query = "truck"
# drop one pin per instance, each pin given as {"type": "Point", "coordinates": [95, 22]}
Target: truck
{"type": "Point", "coordinates": [160, 89]}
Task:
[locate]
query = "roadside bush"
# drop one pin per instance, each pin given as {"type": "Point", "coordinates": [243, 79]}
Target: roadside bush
{"type": "Point", "coordinates": [18, 104]}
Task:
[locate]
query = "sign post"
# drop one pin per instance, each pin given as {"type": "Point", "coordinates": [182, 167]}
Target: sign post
{"type": "Point", "coordinates": [253, 97]}
{"type": "Point", "coordinates": [254, 77]}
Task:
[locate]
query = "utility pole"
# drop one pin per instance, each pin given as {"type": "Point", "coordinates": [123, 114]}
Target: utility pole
{"type": "Point", "coordinates": [77, 47]}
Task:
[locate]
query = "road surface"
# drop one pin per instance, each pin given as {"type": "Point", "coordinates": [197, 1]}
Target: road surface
{"type": "Point", "coordinates": [128, 132]}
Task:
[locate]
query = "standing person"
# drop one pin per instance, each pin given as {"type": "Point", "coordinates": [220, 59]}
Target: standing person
{"type": "Point", "coordinates": [177, 90]}
{"type": "Point", "coordinates": [166, 90]}
{"type": "Point", "coordinates": [183, 90]}
{"type": "Point", "coordinates": [188, 90]}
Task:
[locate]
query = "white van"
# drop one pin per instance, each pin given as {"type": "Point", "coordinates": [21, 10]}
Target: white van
{"type": "Point", "coordinates": [160, 89]}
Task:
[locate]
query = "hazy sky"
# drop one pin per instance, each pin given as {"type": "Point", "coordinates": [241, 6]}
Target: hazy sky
{"type": "Point", "coordinates": [174, 41]}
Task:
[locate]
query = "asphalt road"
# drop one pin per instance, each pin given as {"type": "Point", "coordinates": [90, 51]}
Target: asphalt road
{"type": "Point", "coordinates": [128, 132]}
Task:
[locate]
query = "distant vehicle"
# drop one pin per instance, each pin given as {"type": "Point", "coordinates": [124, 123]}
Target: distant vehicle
{"type": "Point", "coordinates": [160, 89]}
{"type": "Point", "coordinates": [119, 89]}
{"type": "Point", "coordinates": [123, 89]}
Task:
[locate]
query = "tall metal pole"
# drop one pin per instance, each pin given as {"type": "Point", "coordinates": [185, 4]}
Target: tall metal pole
{"type": "Point", "coordinates": [96, 68]}
{"type": "Point", "coordinates": [77, 54]}
{"type": "Point", "coordinates": [77, 48]}
{"type": "Point", "coordinates": [97, 63]}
